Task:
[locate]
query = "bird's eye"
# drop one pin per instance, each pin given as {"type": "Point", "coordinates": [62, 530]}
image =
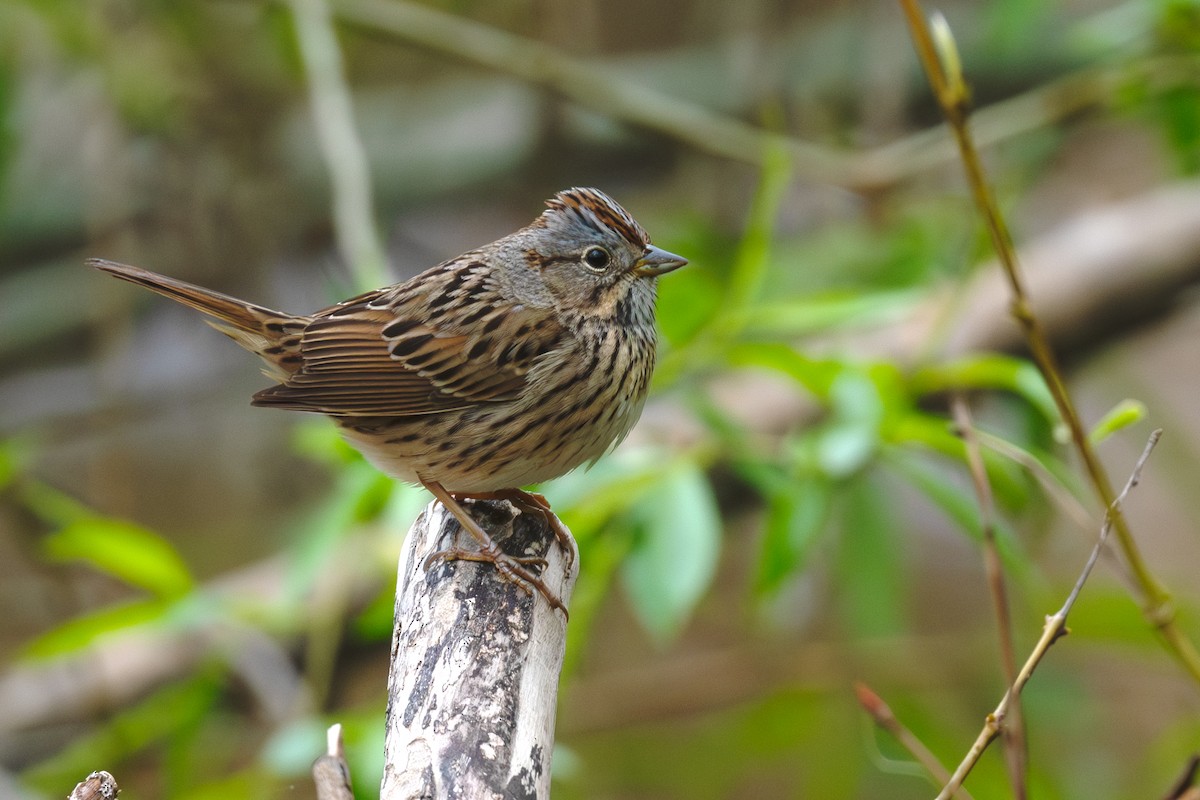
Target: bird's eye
{"type": "Point", "coordinates": [596, 258]}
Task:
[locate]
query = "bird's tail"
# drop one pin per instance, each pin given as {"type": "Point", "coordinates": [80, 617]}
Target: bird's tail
{"type": "Point", "coordinates": [271, 335]}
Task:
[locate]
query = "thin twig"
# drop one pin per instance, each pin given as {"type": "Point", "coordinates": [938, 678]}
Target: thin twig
{"type": "Point", "coordinates": [333, 117]}
{"type": "Point", "coordinates": [1112, 515]}
{"type": "Point", "coordinates": [886, 719]}
{"type": "Point", "coordinates": [953, 96]}
{"type": "Point", "coordinates": [1055, 627]}
{"type": "Point", "coordinates": [1015, 753]}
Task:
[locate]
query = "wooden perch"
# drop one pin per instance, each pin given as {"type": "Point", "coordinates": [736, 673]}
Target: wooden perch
{"type": "Point", "coordinates": [475, 661]}
{"type": "Point", "coordinates": [97, 786]}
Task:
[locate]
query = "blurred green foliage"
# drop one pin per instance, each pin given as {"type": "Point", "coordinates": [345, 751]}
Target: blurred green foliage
{"type": "Point", "coordinates": [650, 519]}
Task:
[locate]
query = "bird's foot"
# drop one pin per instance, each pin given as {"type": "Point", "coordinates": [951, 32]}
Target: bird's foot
{"type": "Point", "coordinates": [518, 570]}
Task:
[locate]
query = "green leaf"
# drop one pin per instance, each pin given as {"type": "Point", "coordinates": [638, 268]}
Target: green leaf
{"type": "Point", "coordinates": [604, 555]}
{"type": "Point", "coordinates": [870, 562]}
{"type": "Point", "coordinates": [587, 500]}
{"type": "Point", "coordinates": [797, 510]}
{"type": "Point", "coordinates": [1122, 415]}
{"type": "Point", "coordinates": [819, 312]}
{"type": "Point", "coordinates": [124, 550]}
{"type": "Point", "coordinates": [688, 302]}
{"type": "Point", "coordinates": [375, 498]}
{"type": "Point", "coordinates": [10, 463]}
{"type": "Point", "coordinates": [1179, 112]}
{"type": "Point", "coordinates": [815, 375]}
{"type": "Point", "coordinates": [52, 506]}
{"type": "Point", "coordinates": [404, 504]}
{"type": "Point", "coordinates": [850, 438]}
{"type": "Point", "coordinates": [957, 501]}
{"type": "Point", "coordinates": [1107, 614]}
{"type": "Point", "coordinates": [374, 623]}
{"type": "Point", "coordinates": [1009, 482]}
{"type": "Point", "coordinates": [357, 491]}
{"type": "Point", "coordinates": [79, 632]}
{"type": "Point", "coordinates": [675, 556]}
{"type": "Point", "coordinates": [987, 371]}
{"type": "Point", "coordinates": [750, 264]}
{"type": "Point", "coordinates": [928, 431]}
{"type": "Point", "coordinates": [320, 441]}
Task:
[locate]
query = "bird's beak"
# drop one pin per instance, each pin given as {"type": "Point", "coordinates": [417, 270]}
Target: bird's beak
{"type": "Point", "coordinates": [656, 261]}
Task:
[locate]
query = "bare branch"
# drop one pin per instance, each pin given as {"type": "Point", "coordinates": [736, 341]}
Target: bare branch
{"type": "Point", "coordinates": [1113, 513]}
{"type": "Point", "coordinates": [953, 96]}
{"type": "Point", "coordinates": [886, 719]}
{"type": "Point", "coordinates": [1054, 628]}
{"type": "Point", "coordinates": [1015, 754]}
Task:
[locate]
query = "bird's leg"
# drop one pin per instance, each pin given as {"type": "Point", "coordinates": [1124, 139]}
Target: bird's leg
{"type": "Point", "coordinates": [514, 569]}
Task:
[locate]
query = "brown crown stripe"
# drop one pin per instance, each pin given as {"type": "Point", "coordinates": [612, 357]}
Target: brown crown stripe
{"type": "Point", "coordinates": [598, 210]}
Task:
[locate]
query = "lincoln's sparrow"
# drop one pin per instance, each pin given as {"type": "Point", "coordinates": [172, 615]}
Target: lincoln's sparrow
{"type": "Point", "coordinates": [506, 366]}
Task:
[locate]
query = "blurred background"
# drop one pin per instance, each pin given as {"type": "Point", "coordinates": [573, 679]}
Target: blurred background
{"type": "Point", "coordinates": [192, 589]}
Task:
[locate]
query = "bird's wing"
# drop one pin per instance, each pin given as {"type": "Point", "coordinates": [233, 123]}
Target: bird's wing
{"type": "Point", "coordinates": [445, 340]}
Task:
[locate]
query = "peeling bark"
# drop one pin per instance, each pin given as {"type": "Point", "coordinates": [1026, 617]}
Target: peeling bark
{"type": "Point", "coordinates": [473, 683]}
